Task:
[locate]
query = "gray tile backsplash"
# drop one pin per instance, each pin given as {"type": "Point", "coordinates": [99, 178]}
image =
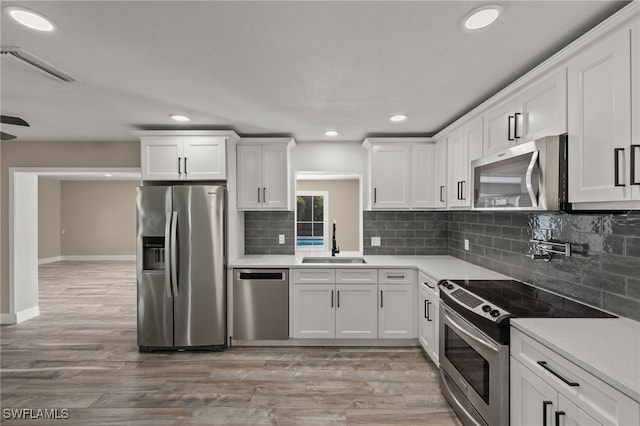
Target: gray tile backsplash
{"type": "Point", "coordinates": [405, 233]}
{"type": "Point", "coordinates": [604, 267]}
{"type": "Point", "coordinates": [261, 230]}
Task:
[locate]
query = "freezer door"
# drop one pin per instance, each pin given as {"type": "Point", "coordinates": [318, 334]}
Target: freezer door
{"type": "Point", "coordinates": [155, 302]}
{"type": "Point", "coordinates": [200, 296]}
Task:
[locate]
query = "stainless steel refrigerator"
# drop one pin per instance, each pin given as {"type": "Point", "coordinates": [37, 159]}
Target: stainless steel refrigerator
{"type": "Point", "coordinates": [181, 267]}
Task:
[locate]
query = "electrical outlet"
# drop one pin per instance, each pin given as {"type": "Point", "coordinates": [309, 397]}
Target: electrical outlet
{"type": "Point", "coordinates": [466, 244]}
{"type": "Point", "coordinates": [375, 241]}
{"type": "Point", "coordinates": [281, 239]}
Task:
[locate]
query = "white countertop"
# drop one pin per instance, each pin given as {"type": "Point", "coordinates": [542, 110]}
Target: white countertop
{"type": "Point", "coordinates": [608, 348]}
{"type": "Point", "coordinates": [437, 267]}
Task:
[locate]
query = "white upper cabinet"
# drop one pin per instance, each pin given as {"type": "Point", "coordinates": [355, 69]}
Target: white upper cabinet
{"type": "Point", "coordinates": [601, 151]}
{"type": "Point", "coordinates": [537, 110]}
{"type": "Point", "coordinates": [390, 174]}
{"type": "Point", "coordinates": [463, 145]}
{"type": "Point", "coordinates": [161, 158]}
{"type": "Point", "coordinates": [401, 173]}
{"type": "Point", "coordinates": [263, 175]}
{"type": "Point", "coordinates": [204, 158]}
{"type": "Point", "coordinates": [184, 155]}
{"type": "Point", "coordinates": [440, 178]}
{"type": "Point", "coordinates": [423, 176]}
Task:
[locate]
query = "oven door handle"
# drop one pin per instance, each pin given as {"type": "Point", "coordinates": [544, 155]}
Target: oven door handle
{"type": "Point", "coordinates": [480, 342]}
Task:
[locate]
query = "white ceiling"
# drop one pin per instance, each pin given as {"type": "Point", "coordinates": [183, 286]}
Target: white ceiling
{"type": "Point", "coordinates": [289, 68]}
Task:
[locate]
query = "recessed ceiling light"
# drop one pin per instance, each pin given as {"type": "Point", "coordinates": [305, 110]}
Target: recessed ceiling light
{"type": "Point", "coordinates": [30, 19]}
{"type": "Point", "coordinates": [108, 175]}
{"type": "Point", "coordinates": [331, 133]}
{"type": "Point", "coordinates": [398, 118]}
{"type": "Point", "coordinates": [482, 17]}
{"type": "Point", "coordinates": [180, 117]}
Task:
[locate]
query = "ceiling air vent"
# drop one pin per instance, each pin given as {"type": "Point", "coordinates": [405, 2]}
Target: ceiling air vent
{"type": "Point", "coordinates": [25, 58]}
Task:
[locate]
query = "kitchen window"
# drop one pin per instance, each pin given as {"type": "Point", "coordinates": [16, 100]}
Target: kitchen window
{"type": "Point", "coordinates": [311, 220]}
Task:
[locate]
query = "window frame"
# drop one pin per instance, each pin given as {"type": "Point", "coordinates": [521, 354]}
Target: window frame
{"type": "Point", "coordinates": [325, 224]}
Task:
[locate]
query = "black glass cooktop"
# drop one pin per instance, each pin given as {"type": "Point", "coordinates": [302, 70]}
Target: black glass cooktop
{"type": "Point", "coordinates": [525, 301]}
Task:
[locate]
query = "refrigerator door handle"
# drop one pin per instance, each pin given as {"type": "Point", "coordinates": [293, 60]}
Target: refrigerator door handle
{"type": "Point", "coordinates": [167, 244]}
{"type": "Point", "coordinates": [174, 253]}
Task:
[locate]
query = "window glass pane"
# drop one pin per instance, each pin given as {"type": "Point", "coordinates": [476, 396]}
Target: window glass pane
{"type": "Point", "coordinates": [318, 208]}
{"type": "Point", "coordinates": [318, 229]}
{"type": "Point", "coordinates": [304, 229]}
{"type": "Point", "coordinates": [304, 208]}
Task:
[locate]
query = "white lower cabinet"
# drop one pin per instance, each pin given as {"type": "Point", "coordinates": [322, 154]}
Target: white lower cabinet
{"type": "Point", "coordinates": [396, 318]}
{"type": "Point", "coordinates": [428, 317]}
{"type": "Point", "coordinates": [356, 313]}
{"type": "Point", "coordinates": [548, 389]}
{"type": "Point", "coordinates": [350, 304]}
{"type": "Point", "coordinates": [313, 311]}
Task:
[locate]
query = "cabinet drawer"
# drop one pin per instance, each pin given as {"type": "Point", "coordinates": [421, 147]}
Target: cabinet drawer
{"type": "Point", "coordinates": [356, 276]}
{"type": "Point", "coordinates": [598, 399]}
{"type": "Point", "coordinates": [314, 276]}
{"type": "Point", "coordinates": [396, 276]}
{"type": "Point", "coordinates": [429, 284]}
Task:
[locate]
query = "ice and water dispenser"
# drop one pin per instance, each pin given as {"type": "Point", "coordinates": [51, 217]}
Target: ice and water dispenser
{"type": "Point", "coordinates": [153, 253]}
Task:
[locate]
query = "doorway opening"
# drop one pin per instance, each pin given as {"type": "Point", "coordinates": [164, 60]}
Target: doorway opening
{"type": "Point", "coordinates": [24, 257]}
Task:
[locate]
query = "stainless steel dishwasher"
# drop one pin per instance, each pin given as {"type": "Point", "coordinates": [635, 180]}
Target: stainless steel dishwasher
{"type": "Point", "coordinates": [260, 304]}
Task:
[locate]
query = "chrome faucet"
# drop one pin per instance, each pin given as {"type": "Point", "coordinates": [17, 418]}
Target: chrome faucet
{"type": "Point", "coordinates": [334, 247]}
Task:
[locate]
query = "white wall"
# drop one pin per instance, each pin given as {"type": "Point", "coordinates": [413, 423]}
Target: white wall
{"type": "Point", "coordinates": [326, 156]}
{"type": "Point", "coordinates": [25, 236]}
{"type": "Point", "coordinates": [98, 218]}
{"type": "Point", "coordinates": [49, 219]}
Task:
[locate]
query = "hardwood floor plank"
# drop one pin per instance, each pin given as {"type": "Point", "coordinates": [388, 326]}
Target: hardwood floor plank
{"type": "Point", "coordinates": [81, 354]}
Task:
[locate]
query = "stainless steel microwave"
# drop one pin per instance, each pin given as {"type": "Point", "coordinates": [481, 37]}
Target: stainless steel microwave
{"type": "Point", "coordinates": [529, 177]}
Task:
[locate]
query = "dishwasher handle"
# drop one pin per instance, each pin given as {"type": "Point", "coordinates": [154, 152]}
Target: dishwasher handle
{"type": "Point", "coordinates": [262, 276]}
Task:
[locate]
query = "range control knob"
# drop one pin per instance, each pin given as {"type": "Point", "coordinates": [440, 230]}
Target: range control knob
{"type": "Point", "coordinates": [494, 313]}
{"type": "Point", "coordinates": [486, 308]}
{"type": "Point", "coordinates": [449, 286]}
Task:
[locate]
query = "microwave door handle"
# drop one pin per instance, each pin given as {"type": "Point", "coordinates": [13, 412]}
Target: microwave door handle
{"type": "Point", "coordinates": [532, 165]}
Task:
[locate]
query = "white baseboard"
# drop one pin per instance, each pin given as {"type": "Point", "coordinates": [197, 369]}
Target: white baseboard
{"type": "Point", "coordinates": [7, 319]}
{"type": "Point", "coordinates": [27, 314]}
{"type": "Point", "coordinates": [20, 316]}
{"type": "Point", "coordinates": [49, 260]}
{"type": "Point", "coordinates": [91, 257]}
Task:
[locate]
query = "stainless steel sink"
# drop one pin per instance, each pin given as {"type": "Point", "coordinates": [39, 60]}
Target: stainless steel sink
{"type": "Point", "coordinates": [333, 260]}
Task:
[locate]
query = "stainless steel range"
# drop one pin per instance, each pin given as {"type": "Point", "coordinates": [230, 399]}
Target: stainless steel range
{"type": "Point", "coordinates": [474, 341]}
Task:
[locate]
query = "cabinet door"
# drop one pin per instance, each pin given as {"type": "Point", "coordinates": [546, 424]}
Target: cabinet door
{"type": "Point", "coordinates": [543, 108]}
{"type": "Point", "coordinates": [313, 311]}
{"type": "Point", "coordinates": [458, 162]}
{"type": "Point", "coordinates": [499, 126]}
{"type": "Point", "coordinates": [433, 318]}
{"type": "Point", "coordinates": [161, 159]}
{"type": "Point", "coordinates": [396, 311]}
{"type": "Point", "coordinates": [532, 399]}
{"type": "Point", "coordinates": [441, 174]}
{"type": "Point", "coordinates": [423, 175]}
{"type": "Point", "coordinates": [356, 311]}
{"type": "Point", "coordinates": [570, 414]}
{"type": "Point", "coordinates": [249, 179]}
{"type": "Point", "coordinates": [390, 176]}
{"type": "Point", "coordinates": [423, 323]}
{"type": "Point", "coordinates": [205, 158]}
{"type": "Point", "coordinates": [599, 105]}
{"type": "Point", "coordinates": [275, 175]}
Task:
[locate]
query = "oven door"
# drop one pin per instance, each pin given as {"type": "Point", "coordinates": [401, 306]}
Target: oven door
{"type": "Point", "coordinates": [475, 371]}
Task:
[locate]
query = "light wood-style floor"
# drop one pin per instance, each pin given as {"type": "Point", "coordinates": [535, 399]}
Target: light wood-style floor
{"type": "Point", "coordinates": [81, 354]}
